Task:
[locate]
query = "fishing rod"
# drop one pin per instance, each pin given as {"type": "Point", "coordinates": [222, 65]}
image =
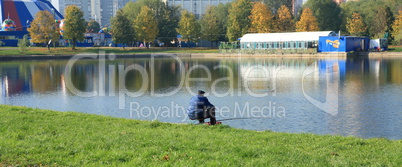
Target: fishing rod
{"type": "Point", "coordinates": [229, 119]}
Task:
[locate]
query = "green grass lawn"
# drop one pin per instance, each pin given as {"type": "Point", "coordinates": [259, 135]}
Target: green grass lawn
{"type": "Point", "coordinates": [68, 51]}
{"type": "Point", "coordinates": [34, 137]}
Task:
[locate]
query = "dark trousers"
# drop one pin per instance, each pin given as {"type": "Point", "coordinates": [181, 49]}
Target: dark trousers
{"type": "Point", "coordinates": [208, 112]}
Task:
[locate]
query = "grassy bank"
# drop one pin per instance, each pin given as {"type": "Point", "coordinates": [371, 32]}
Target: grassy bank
{"type": "Point", "coordinates": [10, 51]}
{"type": "Point", "coordinates": [31, 137]}
{"type": "Point", "coordinates": [395, 48]}
{"type": "Point", "coordinates": [128, 51]}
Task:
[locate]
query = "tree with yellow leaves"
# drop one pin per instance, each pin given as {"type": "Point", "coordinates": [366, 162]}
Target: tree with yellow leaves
{"type": "Point", "coordinates": [307, 22]}
{"type": "Point", "coordinates": [43, 28]}
{"type": "Point", "coordinates": [261, 19]}
{"type": "Point", "coordinates": [355, 25]}
{"type": "Point", "coordinates": [188, 26]}
{"type": "Point", "coordinates": [397, 28]}
{"type": "Point", "coordinates": [284, 20]}
{"type": "Point", "coordinates": [146, 25]}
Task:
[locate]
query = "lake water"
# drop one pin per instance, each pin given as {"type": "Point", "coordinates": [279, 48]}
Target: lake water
{"type": "Point", "coordinates": [349, 97]}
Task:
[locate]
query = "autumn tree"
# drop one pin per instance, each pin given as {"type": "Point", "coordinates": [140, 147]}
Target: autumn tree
{"type": "Point", "coordinates": [93, 26]}
{"type": "Point", "coordinates": [43, 28]}
{"type": "Point", "coordinates": [210, 28]}
{"type": "Point", "coordinates": [123, 32]}
{"type": "Point", "coordinates": [145, 25]}
{"type": "Point", "coordinates": [284, 20]}
{"type": "Point", "coordinates": [261, 19]}
{"type": "Point", "coordinates": [307, 21]}
{"type": "Point", "coordinates": [74, 27]}
{"type": "Point", "coordinates": [355, 25]}
{"type": "Point", "coordinates": [327, 12]}
{"type": "Point", "coordinates": [238, 22]}
{"type": "Point", "coordinates": [188, 28]}
{"type": "Point", "coordinates": [397, 28]}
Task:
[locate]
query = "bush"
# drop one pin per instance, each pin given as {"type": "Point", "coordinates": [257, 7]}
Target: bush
{"type": "Point", "coordinates": [23, 43]}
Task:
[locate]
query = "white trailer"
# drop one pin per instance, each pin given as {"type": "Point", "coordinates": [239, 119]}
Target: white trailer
{"type": "Point", "coordinates": [378, 44]}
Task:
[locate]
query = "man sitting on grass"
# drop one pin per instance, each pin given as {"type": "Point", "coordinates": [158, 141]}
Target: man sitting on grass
{"type": "Point", "coordinates": [200, 109]}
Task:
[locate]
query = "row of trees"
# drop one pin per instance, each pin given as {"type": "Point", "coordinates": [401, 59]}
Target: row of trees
{"type": "Point", "coordinates": [147, 20]}
{"type": "Point", "coordinates": [228, 22]}
{"type": "Point", "coordinates": [44, 29]}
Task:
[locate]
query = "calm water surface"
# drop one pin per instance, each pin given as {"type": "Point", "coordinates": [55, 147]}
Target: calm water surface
{"type": "Point", "coordinates": [350, 97]}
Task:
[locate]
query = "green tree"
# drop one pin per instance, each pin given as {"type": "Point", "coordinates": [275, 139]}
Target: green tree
{"type": "Point", "coordinates": [168, 20]}
{"type": "Point", "coordinates": [188, 26]}
{"type": "Point", "coordinates": [133, 9]}
{"type": "Point", "coordinates": [261, 19]}
{"type": "Point", "coordinates": [376, 14]}
{"type": "Point", "coordinates": [210, 27]}
{"type": "Point", "coordinates": [43, 28]}
{"type": "Point", "coordinates": [307, 21]}
{"type": "Point", "coordinates": [74, 27]}
{"type": "Point", "coordinates": [222, 11]}
{"type": "Point", "coordinates": [167, 16]}
{"type": "Point", "coordinates": [381, 26]}
{"type": "Point", "coordinates": [23, 43]}
{"type": "Point", "coordinates": [284, 20]}
{"type": "Point", "coordinates": [275, 5]}
{"type": "Point", "coordinates": [146, 26]}
{"type": "Point", "coordinates": [327, 12]}
{"type": "Point", "coordinates": [238, 22]}
{"type": "Point", "coordinates": [123, 32]}
{"type": "Point", "coordinates": [355, 25]}
{"type": "Point", "coordinates": [397, 29]}
{"type": "Point", "coordinates": [93, 26]}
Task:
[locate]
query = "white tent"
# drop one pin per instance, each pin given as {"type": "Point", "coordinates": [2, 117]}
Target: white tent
{"type": "Point", "coordinates": [285, 37]}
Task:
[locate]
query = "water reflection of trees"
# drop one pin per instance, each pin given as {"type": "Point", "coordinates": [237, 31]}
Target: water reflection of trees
{"type": "Point", "coordinates": [46, 76]}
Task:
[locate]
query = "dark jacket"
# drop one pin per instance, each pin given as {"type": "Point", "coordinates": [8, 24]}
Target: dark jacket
{"type": "Point", "coordinates": [197, 104]}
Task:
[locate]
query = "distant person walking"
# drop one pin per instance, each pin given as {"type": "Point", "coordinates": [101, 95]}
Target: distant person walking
{"type": "Point", "coordinates": [48, 44]}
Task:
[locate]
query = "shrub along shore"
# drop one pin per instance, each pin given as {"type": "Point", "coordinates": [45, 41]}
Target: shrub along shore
{"type": "Point", "coordinates": [35, 137]}
{"type": "Point", "coordinates": [10, 51]}
{"type": "Point", "coordinates": [13, 51]}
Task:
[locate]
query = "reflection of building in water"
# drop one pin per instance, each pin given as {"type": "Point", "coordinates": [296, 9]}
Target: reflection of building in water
{"type": "Point", "coordinates": [374, 71]}
{"type": "Point", "coordinates": [263, 75]}
{"type": "Point", "coordinates": [14, 82]}
{"type": "Point", "coordinates": [2, 88]}
{"type": "Point", "coordinates": [357, 115]}
{"type": "Point", "coordinates": [395, 68]}
{"type": "Point", "coordinates": [63, 87]}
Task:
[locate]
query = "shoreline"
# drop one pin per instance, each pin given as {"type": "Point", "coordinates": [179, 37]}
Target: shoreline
{"type": "Point", "coordinates": [211, 55]}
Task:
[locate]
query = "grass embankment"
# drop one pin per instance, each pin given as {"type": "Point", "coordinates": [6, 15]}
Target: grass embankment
{"type": "Point", "coordinates": [67, 51]}
{"type": "Point", "coordinates": [31, 137]}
